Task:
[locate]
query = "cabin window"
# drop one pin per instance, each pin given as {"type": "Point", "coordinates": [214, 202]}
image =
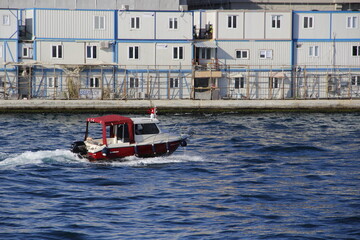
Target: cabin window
{"type": "Point", "coordinates": [266, 54]}
{"type": "Point", "coordinates": [2, 82]}
{"type": "Point", "coordinates": [314, 51]}
{"type": "Point", "coordinates": [123, 133]}
{"type": "Point", "coordinates": [308, 22]}
{"type": "Point", "coordinates": [242, 54]}
{"type": "Point", "coordinates": [99, 22]}
{"type": "Point", "coordinates": [178, 53]}
{"type": "Point", "coordinates": [57, 51]}
{"type": "Point", "coordinates": [52, 82]}
{"type": "Point", "coordinates": [355, 80]}
{"type": "Point", "coordinates": [273, 82]}
{"type": "Point", "coordinates": [232, 21]}
{"type": "Point", "coordinates": [25, 52]}
{"type": "Point", "coordinates": [135, 23]}
{"type": "Point", "coordinates": [94, 82]}
{"type": "Point", "coordinates": [173, 23]}
{"type": "Point", "coordinates": [239, 82]}
{"type": "Point", "coordinates": [205, 53]}
{"type": "Point", "coordinates": [352, 22]}
{"type": "Point", "coordinates": [134, 52]}
{"type": "Point", "coordinates": [6, 20]}
{"type": "Point", "coordinates": [276, 21]}
{"type": "Point", "coordinates": [174, 82]}
{"type": "Point", "coordinates": [1, 51]}
{"type": "Point", "coordinates": [146, 128]}
{"type": "Point", "coordinates": [356, 51]}
{"type": "Point", "coordinates": [91, 52]}
{"type": "Point", "coordinates": [134, 82]}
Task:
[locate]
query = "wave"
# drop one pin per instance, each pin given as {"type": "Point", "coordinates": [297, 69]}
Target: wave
{"type": "Point", "coordinates": [65, 156]}
{"type": "Point", "coordinates": [37, 158]}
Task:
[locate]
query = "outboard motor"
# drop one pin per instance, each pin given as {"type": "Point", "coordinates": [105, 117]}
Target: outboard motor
{"type": "Point", "coordinates": [78, 147]}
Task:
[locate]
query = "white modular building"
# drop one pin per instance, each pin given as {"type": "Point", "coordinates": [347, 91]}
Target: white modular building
{"type": "Point", "coordinates": [156, 48]}
{"type": "Point", "coordinates": [8, 51]}
{"type": "Point", "coordinates": [327, 53]}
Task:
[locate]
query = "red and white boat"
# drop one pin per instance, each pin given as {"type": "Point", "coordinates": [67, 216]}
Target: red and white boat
{"type": "Point", "coordinates": [123, 136]}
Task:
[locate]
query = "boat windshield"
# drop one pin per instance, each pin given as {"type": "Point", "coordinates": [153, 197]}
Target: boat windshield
{"type": "Point", "coordinates": [146, 128]}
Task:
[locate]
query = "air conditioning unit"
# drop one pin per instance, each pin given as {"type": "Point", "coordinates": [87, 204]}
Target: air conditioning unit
{"type": "Point", "coordinates": [104, 44]}
{"type": "Point", "coordinates": [183, 7]}
{"type": "Point", "coordinates": [124, 7]}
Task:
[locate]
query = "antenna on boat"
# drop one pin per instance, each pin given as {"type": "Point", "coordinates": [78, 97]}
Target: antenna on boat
{"type": "Point", "coordinates": [152, 112]}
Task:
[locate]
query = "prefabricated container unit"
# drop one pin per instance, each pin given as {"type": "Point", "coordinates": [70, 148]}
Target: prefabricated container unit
{"type": "Point", "coordinates": [74, 24]}
{"type": "Point", "coordinates": [8, 36]}
{"type": "Point", "coordinates": [136, 25]}
{"type": "Point", "coordinates": [177, 25]}
{"type": "Point", "coordinates": [311, 25]}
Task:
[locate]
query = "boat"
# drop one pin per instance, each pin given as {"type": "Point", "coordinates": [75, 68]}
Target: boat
{"type": "Point", "coordinates": [122, 137]}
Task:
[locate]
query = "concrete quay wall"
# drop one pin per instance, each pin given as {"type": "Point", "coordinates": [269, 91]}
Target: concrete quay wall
{"type": "Point", "coordinates": [37, 105]}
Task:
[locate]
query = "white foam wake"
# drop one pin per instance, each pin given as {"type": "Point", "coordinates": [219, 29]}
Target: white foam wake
{"type": "Point", "coordinates": [38, 157]}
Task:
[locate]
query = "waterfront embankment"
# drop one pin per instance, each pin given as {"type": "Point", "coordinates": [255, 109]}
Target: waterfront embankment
{"type": "Point", "coordinates": [37, 105]}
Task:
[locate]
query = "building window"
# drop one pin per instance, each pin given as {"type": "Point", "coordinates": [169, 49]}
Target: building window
{"type": "Point", "coordinates": [52, 82]}
{"type": "Point", "coordinates": [2, 82]}
{"type": "Point", "coordinates": [1, 51]}
{"type": "Point", "coordinates": [134, 52]}
{"type": "Point", "coordinates": [242, 54]}
{"type": "Point", "coordinates": [134, 82]}
{"type": "Point", "coordinates": [273, 82]}
{"type": "Point", "coordinates": [91, 52]}
{"type": "Point", "coordinates": [6, 20]}
{"type": "Point", "coordinates": [276, 21]}
{"type": "Point", "coordinates": [174, 82]}
{"type": "Point", "coordinates": [356, 51]}
{"type": "Point", "coordinates": [239, 82]}
{"type": "Point", "coordinates": [308, 22]}
{"type": "Point", "coordinates": [99, 22]}
{"type": "Point", "coordinates": [232, 21]}
{"type": "Point", "coordinates": [94, 82]}
{"type": "Point", "coordinates": [355, 80]}
{"type": "Point", "coordinates": [135, 23]}
{"type": "Point", "coordinates": [352, 22]}
{"type": "Point", "coordinates": [178, 53]}
{"type": "Point", "coordinates": [173, 23]}
{"type": "Point", "coordinates": [57, 51]}
{"type": "Point", "coordinates": [205, 53]}
{"type": "Point", "coordinates": [314, 51]}
{"type": "Point", "coordinates": [266, 54]}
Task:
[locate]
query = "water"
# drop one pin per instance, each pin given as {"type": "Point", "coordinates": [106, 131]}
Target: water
{"type": "Point", "coordinates": [256, 176]}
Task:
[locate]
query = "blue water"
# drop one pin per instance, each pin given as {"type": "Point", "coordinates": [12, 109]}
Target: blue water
{"type": "Point", "coordinates": [250, 176]}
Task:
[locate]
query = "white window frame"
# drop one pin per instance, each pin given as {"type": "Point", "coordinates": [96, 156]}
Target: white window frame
{"type": "Point", "coordinates": [274, 82]}
{"type": "Point", "coordinates": [276, 21]}
{"type": "Point", "coordinates": [94, 82]}
{"type": "Point", "coordinates": [59, 51]}
{"type": "Point", "coordinates": [308, 22]}
{"type": "Point", "coordinates": [53, 82]}
{"type": "Point", "coordinates": [173, 23]}
{"type": "Point", "coordinates": [352, 22]}
{"type": "Point", "coordinates": [355, 51]}
{"type": "Point", "coordinates": [174, 83]}
{"type": "Point", "coordinates": [314, 51]}
{"type": "Point", "coordinates": [1, 51]}
{"type": "Point", "coordinates": [99, 23]}
{"type": "Point", "coordinates": [133, 82]}
{"type": "Point", "coordinates": [355, 81]}
{"type": "Point", "coordinates": [91, 52]}
{"type": "Point", "coordinates": [135, 23]}
{"type": "Point", "coordinates": [239, 83]}
{"type": "Point", "coordinates": [205, 53]}
{"type": "Point", "coordinates": [232, 21]}
{"type": "Point", "coordinates": [134, 52]}
{"type": "Point", "coordinates": [241, 54]}
{"type": "Point", "coordinates": [6, 20]}
{"type": "Point", "coordinates": [178, 53]}
{"type": "Point", "coordinates": [266, 54]}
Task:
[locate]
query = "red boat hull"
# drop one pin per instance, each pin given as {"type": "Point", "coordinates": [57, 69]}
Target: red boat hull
{"type": "Point", "coordinates": [142, 151]}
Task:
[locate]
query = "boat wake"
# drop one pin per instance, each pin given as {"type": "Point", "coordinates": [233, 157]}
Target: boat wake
{"type": "Point", "coordinates": [63, 156]}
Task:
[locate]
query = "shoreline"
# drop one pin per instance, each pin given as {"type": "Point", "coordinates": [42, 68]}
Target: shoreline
{"type": "Point", "coordinates": [181, 106]}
